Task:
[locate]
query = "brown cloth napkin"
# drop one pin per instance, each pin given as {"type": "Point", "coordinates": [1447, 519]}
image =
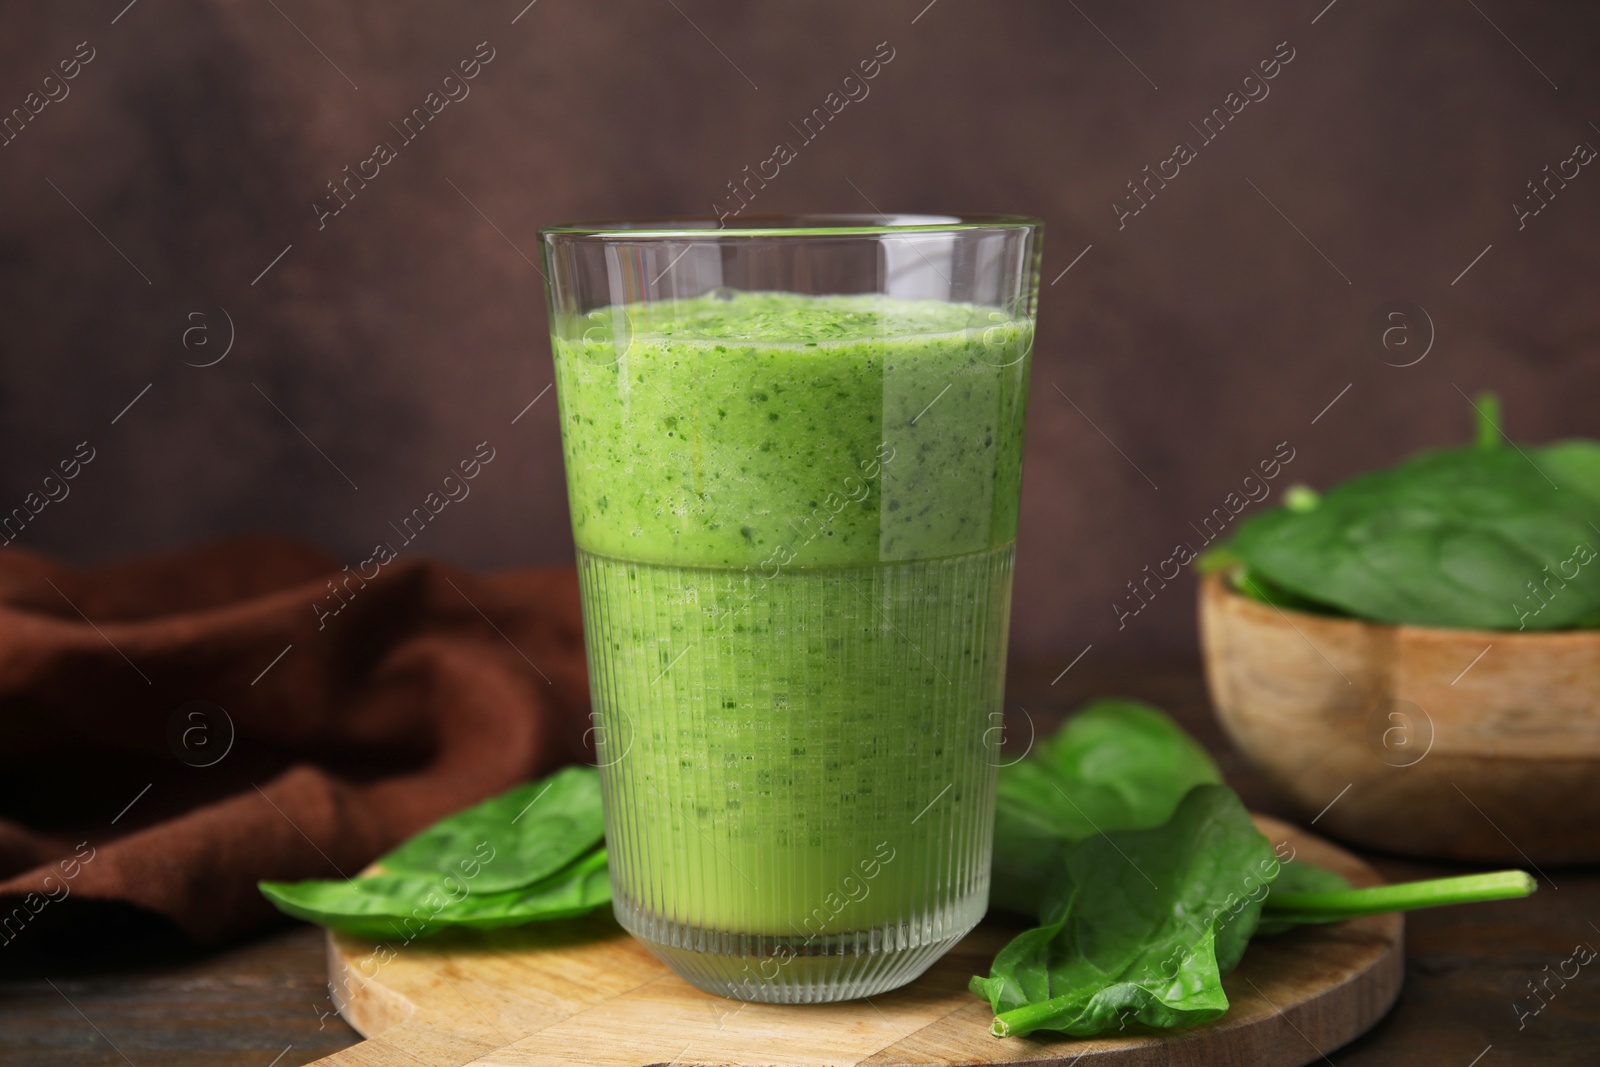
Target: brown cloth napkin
{"type": "Point", "coordinates": [173, 730]}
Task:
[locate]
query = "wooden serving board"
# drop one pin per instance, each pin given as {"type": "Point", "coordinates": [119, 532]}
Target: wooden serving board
{"type": "Point", "coordinates": [587, 993]}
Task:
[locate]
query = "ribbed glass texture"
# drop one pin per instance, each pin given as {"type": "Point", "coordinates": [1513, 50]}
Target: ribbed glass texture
{"type": "Point", "coordinates": [799, 770]}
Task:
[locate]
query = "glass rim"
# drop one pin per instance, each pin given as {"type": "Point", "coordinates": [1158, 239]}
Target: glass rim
{"type": "Point", "coordinates": [810, 225]}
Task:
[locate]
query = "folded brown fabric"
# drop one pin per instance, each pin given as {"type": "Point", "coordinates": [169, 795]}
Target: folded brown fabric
{"type": "Point", "coordinates": [173, 730]}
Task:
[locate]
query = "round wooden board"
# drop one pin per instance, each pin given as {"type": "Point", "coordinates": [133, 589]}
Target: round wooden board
{"type": "Point", "coordinates": [585, 993]}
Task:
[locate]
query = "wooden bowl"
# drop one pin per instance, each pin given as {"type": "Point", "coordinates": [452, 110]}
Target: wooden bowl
{"type": "Point", "coordinates": [1459, 744]}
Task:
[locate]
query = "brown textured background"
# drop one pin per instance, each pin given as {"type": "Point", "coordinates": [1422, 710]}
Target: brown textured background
{"type": "Point", "coordinates": [1196, 339]}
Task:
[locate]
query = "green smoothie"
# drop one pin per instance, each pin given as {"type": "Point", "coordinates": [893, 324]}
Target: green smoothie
{"type": "Point", "coordinates": [795, 519]}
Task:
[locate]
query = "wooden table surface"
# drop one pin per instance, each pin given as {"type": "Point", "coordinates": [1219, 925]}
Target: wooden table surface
{"type": "Point", "coordinates": [264, 1003]}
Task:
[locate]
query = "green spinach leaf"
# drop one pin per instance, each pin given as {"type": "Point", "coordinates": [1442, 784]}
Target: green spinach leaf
{"type": "Point", "coordinates": [1574, 465]}
{"type": "Point", "coordinates": [532, 831]}
{"type": "Point", "coordinates": [1115, 765]}
{"type": "Point", "coordinates": [527, 855]}
{"type": "Point", "coordinates": [1141, 928]}
{"type": "Point", "coordinates": [1492, 536]}
{"type": "Point", "coordinates": [414, 905]}
{"type": "Point", "coordinates": [1138, 923]}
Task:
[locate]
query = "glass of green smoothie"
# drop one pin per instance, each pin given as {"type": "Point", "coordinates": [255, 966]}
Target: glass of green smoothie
{"type": "Point", "coordinates": [793, 453]}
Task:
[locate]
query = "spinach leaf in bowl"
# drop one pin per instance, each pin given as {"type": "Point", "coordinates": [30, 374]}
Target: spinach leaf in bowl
{"type": "Point", "coordinates": [1494, 537]}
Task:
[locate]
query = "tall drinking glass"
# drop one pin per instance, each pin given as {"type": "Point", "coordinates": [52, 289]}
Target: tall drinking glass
{"type": "Point", "coordinates": [793, 453]}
